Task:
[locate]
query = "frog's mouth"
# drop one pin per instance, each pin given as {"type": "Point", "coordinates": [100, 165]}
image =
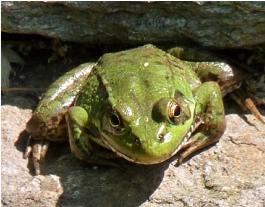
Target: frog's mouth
{"type": "Point", "coordinates": [185, 141]}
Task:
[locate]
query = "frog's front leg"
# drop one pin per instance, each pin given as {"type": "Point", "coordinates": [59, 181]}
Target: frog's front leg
{"type": "Point", "coordinates": [81, 141]}
{"type": "Point", "coordinates": [211, 110]}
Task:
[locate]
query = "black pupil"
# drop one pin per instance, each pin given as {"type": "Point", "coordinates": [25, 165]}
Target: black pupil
{"type": "Point", "coordinates": [114, 119]}
{"type": "Point", "coordinates": [177, 111]}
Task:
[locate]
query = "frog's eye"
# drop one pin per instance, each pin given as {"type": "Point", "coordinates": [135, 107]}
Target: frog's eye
{"type": "Point", "coordinates": [115, 122]}
{"type": "Point", "coordinates": [174, 111]}
{"type": "Point", "coordinates": [114, 119]}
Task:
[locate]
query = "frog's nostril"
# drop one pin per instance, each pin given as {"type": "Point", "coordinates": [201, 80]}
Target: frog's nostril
{"type": "Point", "coordinates": [161, 133]}
{"type": "Point", "coordinates": [164, 137]}
{"type": "Point", "coordinates": [161, 137]}
{"type": "Point", "coordinates": [137, 142]}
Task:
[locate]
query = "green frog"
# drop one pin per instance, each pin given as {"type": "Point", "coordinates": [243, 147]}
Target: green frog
{"type": "Point", "coordinates": [143, 104]}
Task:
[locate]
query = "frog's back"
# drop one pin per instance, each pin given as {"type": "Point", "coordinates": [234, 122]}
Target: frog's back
{"type": "Point", "coordinates": [147, 73]}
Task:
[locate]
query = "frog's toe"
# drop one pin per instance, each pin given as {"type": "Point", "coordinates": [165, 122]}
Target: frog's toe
{"type": "Point", "coordinates": [28, 149]}
{"type": "Point", "coordinates": [177, 162]}
{"type": "Point", "coordinates": [36, 154]}
{"type": "Point", "coordinates": [44, 149]}
{"type": "Point", "coordinates": [38, 149]}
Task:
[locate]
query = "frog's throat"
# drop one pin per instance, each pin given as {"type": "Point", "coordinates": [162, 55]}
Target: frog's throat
{"type": "Point", "coordinates": [198, 121]}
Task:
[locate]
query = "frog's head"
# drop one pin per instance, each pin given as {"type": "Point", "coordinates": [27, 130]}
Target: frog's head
{"type": "Point", "coordinates": [150, 107]}
{"type": "Point", "coordinates": [151, 136]}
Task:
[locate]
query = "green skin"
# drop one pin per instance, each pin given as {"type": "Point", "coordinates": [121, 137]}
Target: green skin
{"type": "Point", "coordinates": [143, 104]}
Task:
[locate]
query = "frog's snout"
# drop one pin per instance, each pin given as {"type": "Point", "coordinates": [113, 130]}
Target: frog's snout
{"type": "Point", "coordinates": [151, 133]}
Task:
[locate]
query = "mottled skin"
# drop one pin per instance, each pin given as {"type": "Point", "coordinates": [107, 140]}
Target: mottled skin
{"type": "Point", "coordinates": [48, 121]}
{"type": "Point", "coordinates": [143, 104]}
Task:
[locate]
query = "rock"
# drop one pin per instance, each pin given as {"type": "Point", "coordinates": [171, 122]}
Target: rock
{"type": "Point", "coordinates": [211, 24]}
{"type": "Point", "coordinates": [230, 173]}
{"type": "Point", "coordinates": [19, 187]}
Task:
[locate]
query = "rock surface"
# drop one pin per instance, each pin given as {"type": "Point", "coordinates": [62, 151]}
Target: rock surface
{"type": "Point", "coordinates": [230, 173]}
{"type": "Point", "coordinates": [214, 24]}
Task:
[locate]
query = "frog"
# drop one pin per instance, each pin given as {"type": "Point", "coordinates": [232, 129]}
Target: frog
{"type": "Point", "coordinates": [145, 105]}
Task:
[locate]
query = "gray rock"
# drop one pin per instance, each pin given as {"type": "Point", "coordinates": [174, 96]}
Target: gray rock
{"type": "Point", "coordinates": [19, 187]}
{"type": "Point", "coordinates": [212, 24]}
{"type": "Point", "coordinates": [230, 173]}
